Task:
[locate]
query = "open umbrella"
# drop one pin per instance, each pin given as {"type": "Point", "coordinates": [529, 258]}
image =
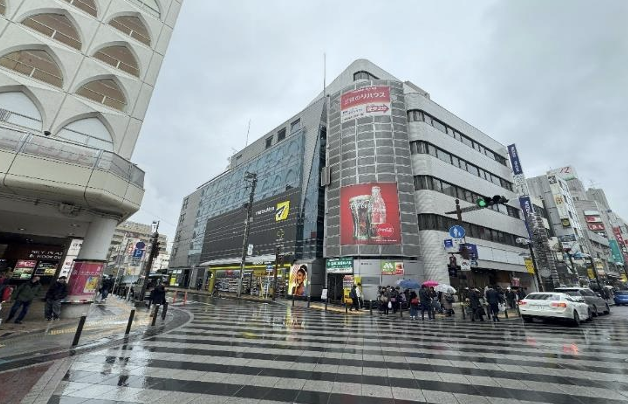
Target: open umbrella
{"type": "Point", "coordinates": [409, 284]}
{"type": "Point", "coordinates": [441, 287]}
{"type": "Point", "coordinates": [430, 283]}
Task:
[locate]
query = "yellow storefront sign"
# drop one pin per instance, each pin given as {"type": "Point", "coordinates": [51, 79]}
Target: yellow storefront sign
{"type": "Point", "coordinates": [590, 273]}
{"type": "Point", "coordinates": [529, 265]}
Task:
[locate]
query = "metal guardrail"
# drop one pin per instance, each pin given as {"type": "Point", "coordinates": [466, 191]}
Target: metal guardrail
{"type": "Point", "coordinates": [22, 142]}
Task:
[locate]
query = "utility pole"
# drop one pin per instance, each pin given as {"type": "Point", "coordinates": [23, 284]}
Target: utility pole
{"type": "Point", "coordinates": [536, 269]}
{"type": "Point", "coordinates": [247, 226]}
{"type": "Point", "coordinates": [154, 251]}
{"type": "Point", "coordinates": [277, 259]}
{"type": "Point", "coordinates": [462, 276]}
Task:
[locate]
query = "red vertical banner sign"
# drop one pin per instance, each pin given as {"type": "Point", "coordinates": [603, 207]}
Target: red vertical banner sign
{"type": "Point", "coordinates": [84, 280]}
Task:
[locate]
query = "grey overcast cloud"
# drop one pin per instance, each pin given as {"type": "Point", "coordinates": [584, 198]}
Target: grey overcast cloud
{"type": "Point", "coordinates": [549, 76]}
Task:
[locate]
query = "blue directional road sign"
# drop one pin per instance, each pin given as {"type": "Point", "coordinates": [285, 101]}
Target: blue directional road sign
{"type": "Point", "coordinates": [138, 253]}
{"type": "Point", "coordinates": [449, 243]}
{"type": "Point", "coordinates": [457, 231]}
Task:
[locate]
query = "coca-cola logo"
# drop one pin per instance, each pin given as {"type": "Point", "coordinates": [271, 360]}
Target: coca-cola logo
{"type": "Point", "coordinates": [385, 230]}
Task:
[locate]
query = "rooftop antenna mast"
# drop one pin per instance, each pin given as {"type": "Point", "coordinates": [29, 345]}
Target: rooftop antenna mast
{"type": "Point", "coordinates": [247, 134]}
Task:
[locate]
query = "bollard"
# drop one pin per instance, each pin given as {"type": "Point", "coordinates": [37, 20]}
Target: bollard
{"type": "Point", "coordinates": [128, 325]}
{"type": "Point", "coordinates": [326, 300]}
{"type": "Point", "coordinates": [79, 330]}
{"type": "Point", "coordinates": [293, 300]}
{"type": "Point", "coordinates": [371, 307]}
{"type": "Point", "coordinates": [400, 311]}
{"type": "Point", "coordinates": [346, 308]}
{"type": "Point", "coordinates": [185, 297]}
{"type": "Point", "coordinates": [506, 312]}
{"type": "Point", "coordinates": [308, 301]}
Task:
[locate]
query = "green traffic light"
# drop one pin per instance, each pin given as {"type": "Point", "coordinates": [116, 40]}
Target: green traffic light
{"type": "Point", "coordinates": [481, 202]}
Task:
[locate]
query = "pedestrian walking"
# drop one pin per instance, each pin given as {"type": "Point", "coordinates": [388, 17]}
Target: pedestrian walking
{"type": "Point", "coordinates": [199, 284]}
{"type": "Point", "coordinates": [105, 288]}
{"type": "Point", "coordinates": [360, 293]}
{"type": "Point", "coordinates": [55, 294]}
{"type": "Point", "coordinates": [414, 305]}
{"type": "Point", "coordinates": [355, 303]}
{"type": "Point", "coordinates": [448, 304]}
{"type": "Point", "coordinates": [511, 297]}
{"type": "Point", "coordinates": [493, 299]}
{"type": "Point", "coordinates": [158, 298]}
{"type": "Point", "coordinates": [24, 296]}
{"type": "Point", "coordinates": [477, 311]}
{"type": "Point", "coordinates": [426, 303]}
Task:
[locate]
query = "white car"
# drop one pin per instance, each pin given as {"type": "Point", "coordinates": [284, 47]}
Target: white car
{"type": "Point", "coordinates": [554, 305]}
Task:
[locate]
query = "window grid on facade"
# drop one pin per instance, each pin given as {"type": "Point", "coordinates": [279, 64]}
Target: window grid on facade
{"type": "Point", "coordinates": [119, 57]}
{"type": "Point", "coordinates": [435, 184]}
{"type": "Point", "coordinates": [421, 147]}
{"type": "Point", "coordinates": [416, 115]}
{"type": "Point", "coordinates": [442, 223]}
{"type": "Point", "coordinates": [57, 27]}
{"type": "Point", "coordinates": [149, 5]}
{"type": "Point", "coordinates": [89, 6]}
{"type": "Point", "coordinates": [34, 63]}
{"type": "Point", "coordinates": [133, 27]}
{"type": "Point", "coordinates": [363, 75]}
{"type": "Point", "coordinates": [105, 92]}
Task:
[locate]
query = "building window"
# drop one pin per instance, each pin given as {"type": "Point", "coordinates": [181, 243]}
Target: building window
{"type": "Point", "coordinates": [442, 223]}
{"type": "Point", "coordinates": [421, 147]}
{"type": "Point", "coordinates": [133, 27]}
{"type": "Point", "coordinates": [363, 75]}
{"type": "Point", "coordinates": [295, 126]}
{"type": "Point", "coordinates": [89, 6]}
{"type": "Point", "coordinates": [106, 92]}
{"type": "Point", "coordinates": [281, 135]}
{"type": "Point", "coordinates": [269, 142]}
{"type": "Point", "coordinates": [17, 109]}
{"type": "Point", "coordinates": [119, 57]}
{"type": "Point", "coordinates": [149, 6]}
{"type": "Point", "coordinates": [57, 27]}
{"type": "Point", "coordinates": [34, 63]}
{"type": "Point", "coordinates": [89, 132]}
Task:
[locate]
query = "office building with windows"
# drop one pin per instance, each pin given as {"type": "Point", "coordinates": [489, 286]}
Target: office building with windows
{"type": "Point", "coordinates": [76, 78]}
{"type": "Point", "coordinates": [374, 167]}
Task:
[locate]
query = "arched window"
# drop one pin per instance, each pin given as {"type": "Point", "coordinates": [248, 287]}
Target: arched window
{"type": "Point", "coordinates": [3, 7]}
{"type": "Point", "coordinates": [150, 6]}
{"type": "Point", "coordinates": [106, 92]}
{"type": "Point", "coordinates": [17, 109]}
{"type": "Point", "coordinates": [133, 27]}
{"type": "Point", "coordinates": [119, 57]}
{"type": "Point", "coordinates": [34, 63]}
{"type": "Point", "coordinates": [89, 132]}
{"type": "Point", "coordinates": [57, 27]}
{"type": "Point", "coordinates": [89, 6]}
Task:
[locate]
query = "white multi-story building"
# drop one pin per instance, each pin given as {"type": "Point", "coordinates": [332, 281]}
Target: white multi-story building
{"type": "Point", "coordinates": [76, 78]}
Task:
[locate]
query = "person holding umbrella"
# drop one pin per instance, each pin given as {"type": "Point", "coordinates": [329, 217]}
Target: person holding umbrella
{"type": "Point", "coordinates": [426, 303]}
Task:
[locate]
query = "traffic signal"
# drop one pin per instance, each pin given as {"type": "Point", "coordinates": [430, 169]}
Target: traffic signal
{"type": "Point", "coordinates": [485, 201]}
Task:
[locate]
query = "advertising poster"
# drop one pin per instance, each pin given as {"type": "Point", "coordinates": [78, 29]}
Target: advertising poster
{"type": "Point", "coordinates": [367, 101]}
{"type": "Point", "coordinates": [529, 265]}
{"type": "Point", "coordinates": [70, 256]}
{"type": "Point", "coordinates": [24, 269]}
{"type": "Point", "coordinates": [369, 214]}
{"type": "Point", "coordinates": [84, 279]}
{"type": "Point", "coordinates": [298, 280]}
{"type": "Point", "coordinates": [392, 268]}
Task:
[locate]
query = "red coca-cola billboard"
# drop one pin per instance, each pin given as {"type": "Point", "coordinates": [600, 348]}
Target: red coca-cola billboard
{"type": "Point", "coordinates": [369, 214]}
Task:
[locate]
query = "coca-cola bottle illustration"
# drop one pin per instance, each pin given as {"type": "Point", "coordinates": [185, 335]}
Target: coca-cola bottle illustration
{"type": "Point", "coordinates": [378, 212]}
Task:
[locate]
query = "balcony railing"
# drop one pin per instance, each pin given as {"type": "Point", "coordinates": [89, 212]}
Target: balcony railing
{"type": "Point", "coordinates": [23, 142]}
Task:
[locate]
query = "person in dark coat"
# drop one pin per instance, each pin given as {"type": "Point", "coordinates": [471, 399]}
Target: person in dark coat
{"type": "Point", "coordinates": [476, 305]}
{"type": "Point", "coordinates": [158, 298]}
{"type": "Point", "coordinates": [355, 303]}
{"type": "Point", "coordinates": [493, 298]}
{"type": "Point", "coordinates": [414, 305]}
{"type": "Point", "coordinates": [24, 296]}
{"type": "Point", "coordinates": [511, 297]}
{"type": "Point", "coordinates": [106, 287]}
{"type": "Point", "coordinates": [426, 302]}
{"type": "Point", "coordinates": [55, 294]}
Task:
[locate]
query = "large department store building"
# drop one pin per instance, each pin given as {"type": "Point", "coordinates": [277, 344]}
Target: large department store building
{"type": "Point", "coordinates": [76, 78]}
{"type": "Point", "coordinates": [368, 170]}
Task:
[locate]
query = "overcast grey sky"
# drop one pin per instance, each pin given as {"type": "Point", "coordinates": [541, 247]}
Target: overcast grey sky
{"type": "Point", "coordinates": [549, 76]}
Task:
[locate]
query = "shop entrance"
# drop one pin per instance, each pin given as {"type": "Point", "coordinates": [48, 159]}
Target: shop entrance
{"type": "Point", "coordinates": [335, 290]}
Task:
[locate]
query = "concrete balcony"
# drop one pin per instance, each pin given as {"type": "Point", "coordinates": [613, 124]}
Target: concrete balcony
{"type": "Point", "coordinates": [47, 168]}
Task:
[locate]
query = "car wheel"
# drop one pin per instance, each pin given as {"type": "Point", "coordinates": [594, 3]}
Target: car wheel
{"type": "Point", "coordinates": [595, 312]}
{"type": "Point", "coordinates": [608, 309]}
{"type": "Point", "coordinates": [589, 315]}
{"type": "Point", "coordinates": [576, 319]}
{"type": "Point", "coordinates": [526, 319]}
